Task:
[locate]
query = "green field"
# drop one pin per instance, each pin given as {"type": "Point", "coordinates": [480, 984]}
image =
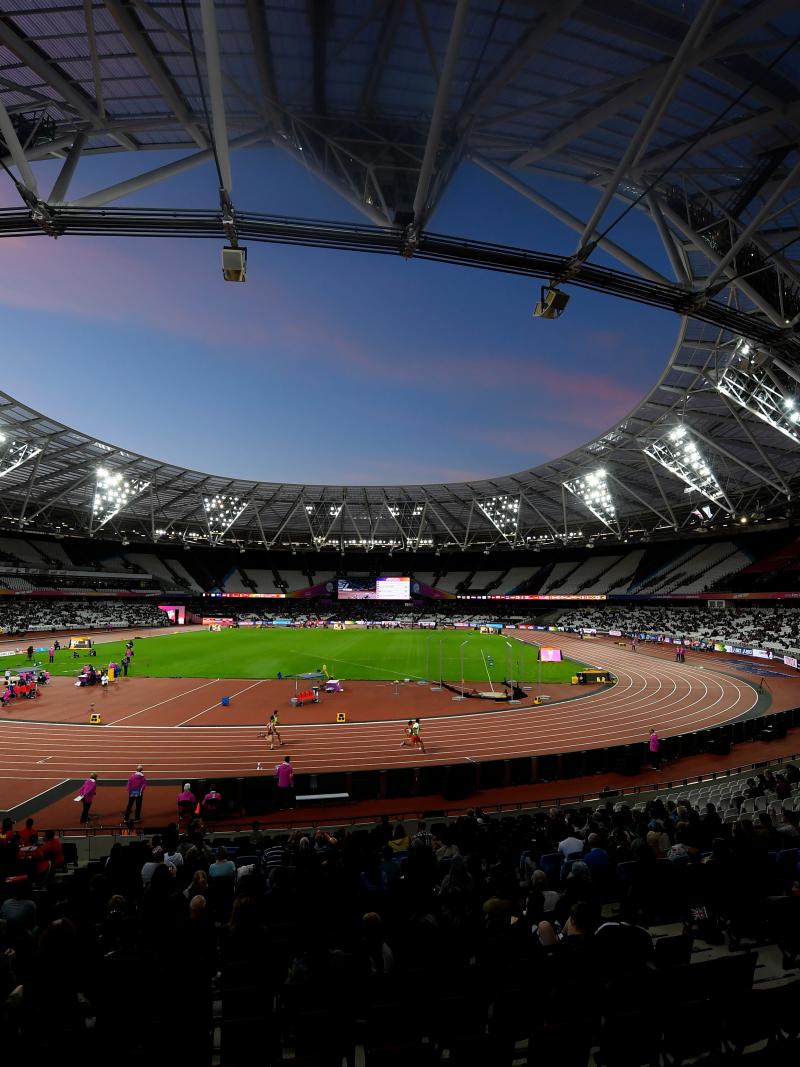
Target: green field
{"type": "Point", "coordinates": [370, 654]}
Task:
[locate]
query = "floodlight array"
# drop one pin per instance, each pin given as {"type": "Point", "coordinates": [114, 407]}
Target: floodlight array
{"type": "Point", "coordinates": [502, 512]}
{"type": "Point", "coordinates": [112, 492]}
{"type": "Point", "coordinates": [222, 511]}
{"type": "Point", "coordinates": [762, 387]}
{"type": "Point", "coordinates": [678, 452]}
{"type": "Point", "coordinates": [14, 453]}
{"type": "Point", "coordinates": [593, 492]}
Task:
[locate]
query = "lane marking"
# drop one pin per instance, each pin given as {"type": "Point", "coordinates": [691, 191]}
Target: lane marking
{"type": "Point", "coordinates": [44, 760]}
{"type": "Point", "coordinates": [213, 706]}
{"type": "Point", "coordinates": [177, 696]}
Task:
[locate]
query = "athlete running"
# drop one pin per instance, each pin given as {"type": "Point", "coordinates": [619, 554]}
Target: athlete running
{"type": "Point", "coordinates": [415, 735]}
{"type": "Point", "coordinates": [272, 730]}
{"type": "Point", "coordinates": [408, 733]}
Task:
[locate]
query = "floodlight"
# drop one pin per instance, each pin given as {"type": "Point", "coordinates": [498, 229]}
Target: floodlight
{"type": "Point", "coordinates": [112, 493]}
{"type": "Point", "coordinates": [14, 453]}
{"type": "Point", "coordinates": [593, 492]}
{"type": "Point", "coordinates": [552, 303]}
{"type": "Point", "coordinates": [222, 511]}
{"type": "Point", "coordinates": [762, 385]}
{"type": "Point", "coordinates": [678, 452]}
{"type": "Point", "coordinates": [234, 264]}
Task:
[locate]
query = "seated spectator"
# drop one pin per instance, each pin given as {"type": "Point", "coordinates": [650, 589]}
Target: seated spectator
{"type": "Point", "coordinates": [399, 841]}
{"type": "Point", "coordinates": [187, 802]}
{"type": "Point", "coordinates": [18, 910]}
{"type": "Point", "coordinates": [26, 833]}
{"type": "Point", "coordinates": [212, 803]}
{"type": "Point", "coordinates": [222, 867]}
{"type": "Point", "coordinates": [596, 855]}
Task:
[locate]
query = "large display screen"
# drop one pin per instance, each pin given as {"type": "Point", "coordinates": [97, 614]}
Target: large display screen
{"type": "Point", "coordinates": [374, 588]}
{"type": "Point", "coordinates": [550, 655]}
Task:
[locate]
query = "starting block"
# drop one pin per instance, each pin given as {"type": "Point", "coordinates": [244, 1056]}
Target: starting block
{"type": "Point", "coordinates": [95, 719]}
{"type": "Point", "coordinates": [341, 717]}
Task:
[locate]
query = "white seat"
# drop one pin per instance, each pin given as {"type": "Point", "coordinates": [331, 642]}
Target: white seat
{"type": "Point", "coordinates": [749, 806]}
{"type": "Point", "coordinates": [761, 803]}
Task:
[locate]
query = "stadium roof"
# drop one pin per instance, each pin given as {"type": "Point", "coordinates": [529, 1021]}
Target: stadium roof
{"type": "Point", "coordinates": [687, 113]}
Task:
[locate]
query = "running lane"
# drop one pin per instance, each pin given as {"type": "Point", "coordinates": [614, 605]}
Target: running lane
{"type": "Point", "coordinates": [651, 692]}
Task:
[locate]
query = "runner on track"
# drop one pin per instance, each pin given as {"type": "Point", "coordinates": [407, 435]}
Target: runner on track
{"type": "Point", "coordinates": [415, 734]}
{"type": "Point", "coordinates": [408, 733]}
{"type": "Point", "coordinates": [272, 730]}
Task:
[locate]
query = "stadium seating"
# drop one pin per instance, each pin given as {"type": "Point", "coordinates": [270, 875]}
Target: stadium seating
{"type": "Point", "coordinates": [756, 627]}
{"type": "Point", "coordinates": [464, 941]}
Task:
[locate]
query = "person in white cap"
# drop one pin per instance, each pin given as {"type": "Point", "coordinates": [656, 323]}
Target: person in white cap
{"type": "Point", "coordinates": [137, 783]}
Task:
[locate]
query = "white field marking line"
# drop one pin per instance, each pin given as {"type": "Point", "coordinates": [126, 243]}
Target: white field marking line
{"type": "Point", "coordinates": [44, 760]}
{"type": "Point", "coordinates": [213, 706]}
{"type": "Point", "coordinates": [150, 707]}
{"type": "Point", "coordinates": [27, 800]}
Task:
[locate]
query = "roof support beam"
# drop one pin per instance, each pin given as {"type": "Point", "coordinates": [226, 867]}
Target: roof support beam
{"type": "Point", "coordinates": [673, 77]}
{"type": "Point", "coordinates": [660, 488]}
{"type": "Point", "coordinates": [259, 31]}
{"type": "Point", "coordinates": [439, 112]}
{"type": "Point", "coordinates": [625, 487]}
{"type": "Point", "coordinates": [531, 43]}
{"type": "Point", "coordinates": [617, 101]}
{"type": "Point", "coordinates": [392, 17]}
{"type": "Point", "coordinates": [55, 78]}
{"type": "Point", "coordinates": [754, 223]}
{"type": "Point", "coordinates": [138, 41]}
{"type": "Point", "coordinates": [748, 433]}
{"type": "Point", "coordinates": [667, 240]}
{"type": "Point", "coordinates": [9, 135]}
{"type": "Point", "coordinates": [160, 174]}
{"type": "Point", "coordinates": [735, 459]}
{"type": "Point", "coordinates": [613, 249]}
{"type": "Point", "coordinates": [214, 74]}
{"type": "Point", "coordinates": [702, 246]}
{"type": "Point", "coordinates": [88, 15]}
{"type": "Point", "coordinates": [62, 182]}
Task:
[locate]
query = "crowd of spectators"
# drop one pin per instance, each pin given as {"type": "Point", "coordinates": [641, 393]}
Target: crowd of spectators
{"type": "Point", "coordinates": [463, 936]}
{"type": "Point", "coordinates": [18, 615]}
{"type": "Point", "coordinates": [754, 627]}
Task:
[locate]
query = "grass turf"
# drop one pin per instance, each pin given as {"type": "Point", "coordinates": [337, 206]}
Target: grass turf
{"type": "Point", "coordinates": [368, 654]}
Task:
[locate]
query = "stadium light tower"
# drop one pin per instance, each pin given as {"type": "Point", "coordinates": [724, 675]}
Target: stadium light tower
{"type": "Point", "coordinates": [14, 453]}
{"type": "Point", "coordinates": [112, 492]}
{"type": "Point", "coordinates": [593, 492]}
{"type": "Point", "coordinates": [222, 511]}
{"type": "Point", "coordinates": [678, 452]}
{"type": "Point", "coordinates": [766, 387]}
{"type": "Point", "coordinates": [503, 513]}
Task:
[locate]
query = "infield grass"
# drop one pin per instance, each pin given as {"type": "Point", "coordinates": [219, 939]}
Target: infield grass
{"type": "Point", "coordinates": [367, 654]}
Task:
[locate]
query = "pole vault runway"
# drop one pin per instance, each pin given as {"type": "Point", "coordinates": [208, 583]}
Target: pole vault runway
{"type": "Point", "coordinates": [183, 734]}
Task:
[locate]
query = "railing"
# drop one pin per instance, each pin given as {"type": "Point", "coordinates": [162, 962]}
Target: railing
{"type": "Point", "coordinates": [452, 811]}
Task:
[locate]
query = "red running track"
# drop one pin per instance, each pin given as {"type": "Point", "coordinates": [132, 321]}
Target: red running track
{"type": "Point", "coordinates": [650, 692]}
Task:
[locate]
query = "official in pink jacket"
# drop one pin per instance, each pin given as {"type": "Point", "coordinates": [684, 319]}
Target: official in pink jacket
{"type": "Point", "coordinates": [284, 777]}
{"type": "Point", "coordinates": [137, 783]}
{"type": "Point", "coordinates": [87, 793]}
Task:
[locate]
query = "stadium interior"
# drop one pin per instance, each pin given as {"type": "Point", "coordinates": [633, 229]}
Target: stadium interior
{"type": "Point", "coordinates": [452, 856]}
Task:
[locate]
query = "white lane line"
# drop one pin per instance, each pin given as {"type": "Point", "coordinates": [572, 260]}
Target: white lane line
{"type": "Point", "coordinates": [44, 760]}
{"type": "Point", "coordinates": [178, 696]}
{"type": "Point", "coordinates": [36, 796]}
{"type": "Point", "coordinates": [213, 706]}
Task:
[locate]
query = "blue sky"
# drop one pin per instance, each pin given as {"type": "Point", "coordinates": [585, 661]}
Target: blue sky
{"type": "Point", "coordinates": [326, 366]}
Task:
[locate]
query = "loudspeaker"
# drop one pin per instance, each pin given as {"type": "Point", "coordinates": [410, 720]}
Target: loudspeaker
{"type": "Point", "coordinates": [234, 264]}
